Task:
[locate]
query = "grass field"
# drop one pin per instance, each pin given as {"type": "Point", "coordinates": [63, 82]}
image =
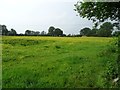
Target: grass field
{"type": "Point", "coordinates": [58, 62]}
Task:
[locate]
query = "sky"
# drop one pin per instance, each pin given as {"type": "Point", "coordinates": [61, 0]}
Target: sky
{"type": "Point", "coordinates": [39, 15]}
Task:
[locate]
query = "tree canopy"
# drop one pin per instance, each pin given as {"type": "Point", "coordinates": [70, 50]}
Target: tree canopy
{"type": "Point", "coordinates": [52, 31]}
{"type": "Point", "coordinates": [85, 31]}
{"type": "Point", "coordinates": [12, 32]}
{"type": "Point", "coordinates": [4, 30]}
{"type": "Point", "coordinates": [58, 32]}
{"type": "Point", "coordinates": [34, 33]}
{"type": "Point", "coordinates": [105, 29]}
{"type": "Point", "coordinates": [99, 11]}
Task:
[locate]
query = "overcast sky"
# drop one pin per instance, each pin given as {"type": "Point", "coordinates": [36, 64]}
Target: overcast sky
{"type": "Point", "coordinates": [39, 15]}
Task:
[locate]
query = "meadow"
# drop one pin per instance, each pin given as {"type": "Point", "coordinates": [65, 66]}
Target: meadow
{"type": "Point", "coordinates": [58, 62]}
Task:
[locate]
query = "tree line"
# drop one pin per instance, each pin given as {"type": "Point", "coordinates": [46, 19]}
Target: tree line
{"type": "Point", "coordinates": [105, 30]}
{"type": "Point", "coordinates": [52, 31]}
{"type": "Point", "coordinates": [5, 31]}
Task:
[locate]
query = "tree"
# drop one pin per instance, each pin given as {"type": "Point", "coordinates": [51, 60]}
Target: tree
{"type": "Point", "coordinates": [27, 32]}
{"type": "Point", "coordinates": [85, 31]}
{"type": "Point", "coordinates": [58, 32]}
{"type": "Point", "coordinates": [32, 33]}
{"type": "Point", "coordinates": [94, 32]}
{"type": "Point", "coordinates": [99, 11]}
{"type": "Point", "coordinates": [105, 29]}
{"type": "Point", "coordinates": [12, 32]}
{"type": "Point", "coordinates": [69, 35]}
{"type": "Point", "coordinates": [103, 33]}
{"type": "Point", "coordinates": [43, 33]}
{"type": "Point", "coordinates": [55, 31]}
{"type": "Point", "coordinates": [107, 26]}
{"type": "Point", "coordinates": [37, 33]}
{"type": "Point", "coordinates": [51, 30]}
{"type": "Point", "coordinates": [116, 33]}
{"type": "Point", "coordinates": [4, 30]}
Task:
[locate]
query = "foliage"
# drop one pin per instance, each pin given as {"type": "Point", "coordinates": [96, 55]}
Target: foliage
{"type": "Point", "coordinates": [4, 30]}
{"type": "Point", "coordinates": [116, 33]}
{"type": "Point", "coordinates": [55, 31]}
{"type": "Point", "coordinates": [50, 31]}
{"type": "Point", "coordinates": [99, 11]}
{"type": "Point", "coordinates": [111, 71]}
{"type": "Point", "coordinates": [12, 32]}
{"type": "Point", "coordinates": [105, 30]}
{"type": "Point", "coordinates": [43, 33]}
{"type": "Point", "coordinates": [85, 31]}
{"type": "Point", "coordinates": [107, 26]}
{"type": "Point", "coordinates": [58, 32]}
{"type": "Point", "coordinates": [34, 33]}
{"type": "Point", "coordinates": [94, 32]}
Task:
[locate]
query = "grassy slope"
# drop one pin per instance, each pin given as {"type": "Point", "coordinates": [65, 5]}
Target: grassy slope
{"type": "Point", "coordinates": [54, 61]}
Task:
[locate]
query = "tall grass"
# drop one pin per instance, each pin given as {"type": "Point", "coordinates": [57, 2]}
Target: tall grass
{"type": "Point", "coordinates": [58, 62]}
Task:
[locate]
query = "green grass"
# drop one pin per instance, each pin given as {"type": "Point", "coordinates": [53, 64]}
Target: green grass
{"type": "Point", "coordinates": [56, 62]}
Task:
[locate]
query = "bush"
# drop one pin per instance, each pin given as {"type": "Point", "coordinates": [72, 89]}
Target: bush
{"type": "Point", "coordinates": [111, 71]}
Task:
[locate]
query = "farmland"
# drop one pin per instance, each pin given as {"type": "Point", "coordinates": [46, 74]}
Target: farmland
{"type": "Point", "coordinates": [58, 62]}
